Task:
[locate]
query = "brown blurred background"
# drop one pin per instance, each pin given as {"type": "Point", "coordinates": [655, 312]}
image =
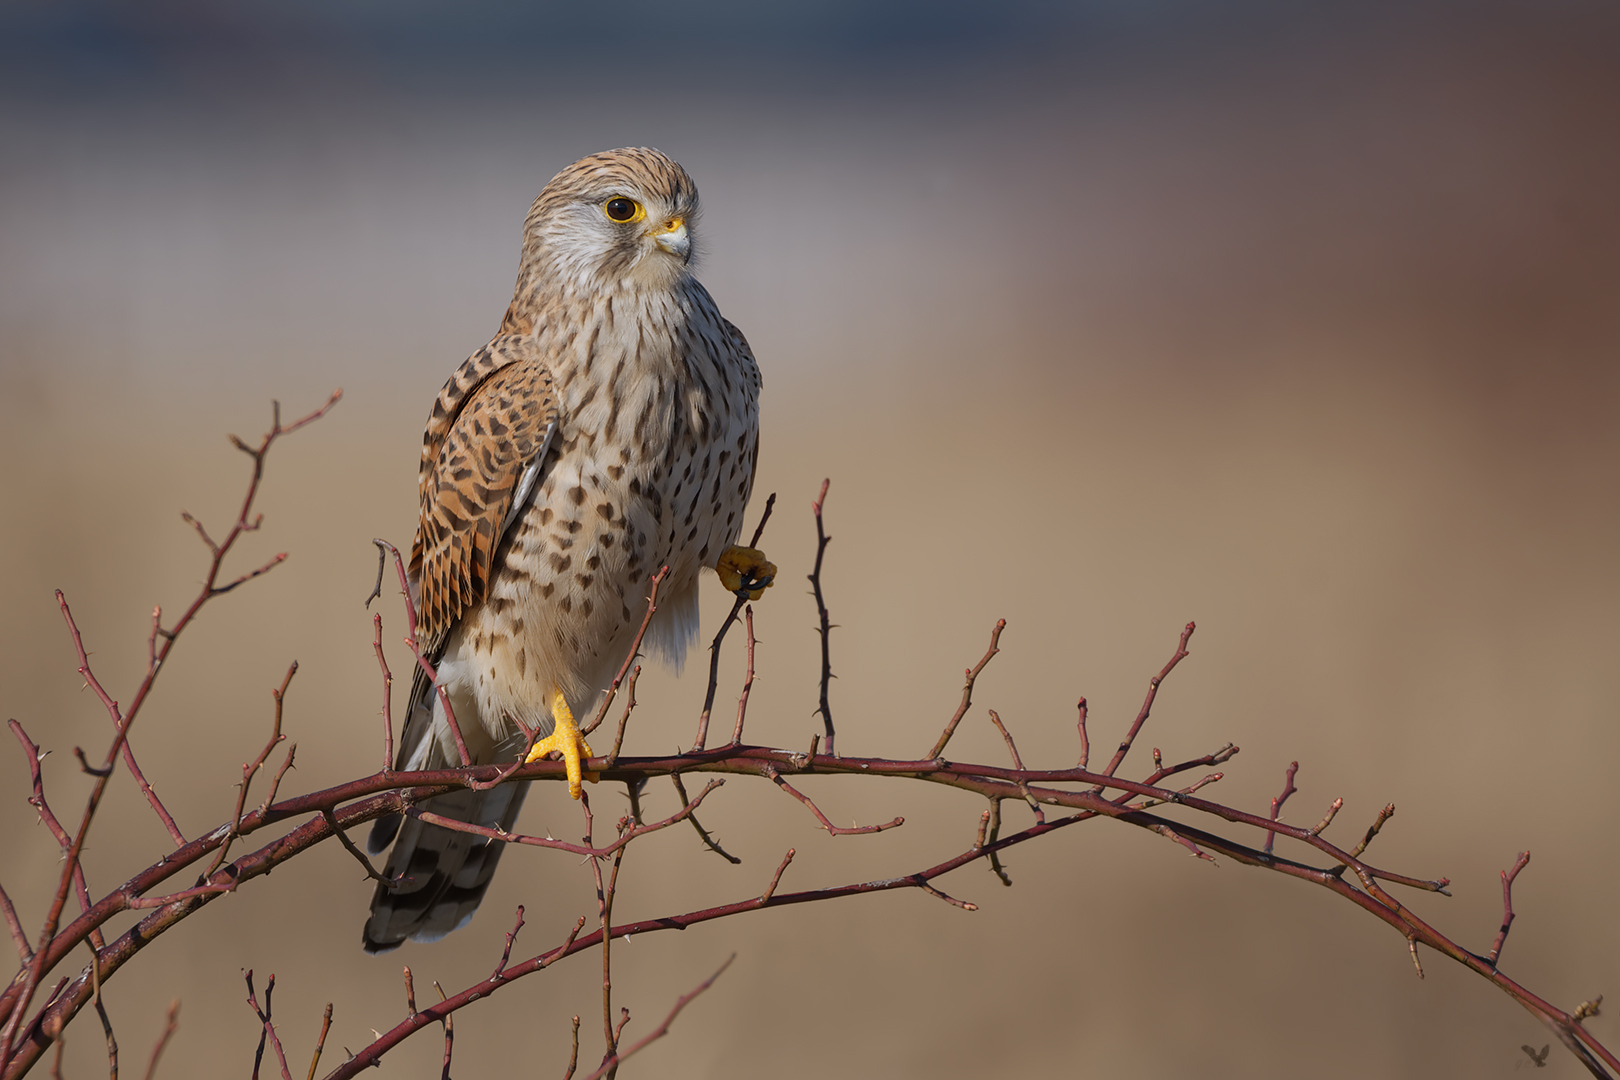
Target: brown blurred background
{"type": "Point", "coordinates": [1299, 323]}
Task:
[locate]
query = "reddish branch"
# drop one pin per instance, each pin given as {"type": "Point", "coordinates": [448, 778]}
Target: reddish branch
{"type": "Point", "coordinates": [171, 1024]}
{"type": "Point", "coordinates": [970, 676]}
{"type": "Point", "coordinates": [822, 540]}
{"type": "Point", "coordinates": [33, 973]}
{"type": "Point", "coordinates": [701, 739]}
{"type": "Point", "coordinates": [1147, 702]}
{"type": "Point", "coordinates": [770, 773]}
{"type": "Point", "coordinates": [269, 1031]}
{"type": "Point", "coordinates": [315, 817]}
{"type": "Point", "coordinates": [112, 710]}
{"type": "Point", "coordinates": [1278, 800]}
{"type": "Point", "coordinates": [658, 1032]}
{"type": "Point", "coordinates": [1507, 905]}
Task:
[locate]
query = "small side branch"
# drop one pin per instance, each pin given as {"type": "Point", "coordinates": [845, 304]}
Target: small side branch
{"type": "Point", "coordinates": [630, 657]}
{"type": "Point", "coordinates": [970, 676]}
{"type": "Point", "coordinates": [703, 834]}
{"type": "Point", "coordinates": [775, 777]}
{"type": "Point", "coordinates": [822, 540]}
{"type": "Point", "coordinates": [612, 1063]}
{"type": "Point", "coordinates": [269, 1028]}
{"type": "Point", "coordinates": [1383, 815]}
{"type": "Point", "coordinates": [250, 770]}
{"type": "Point", "coordinates": [1507, 906]}
{"type": "Point", "coordinates": [1278, 800]}
{"type": "Point", "coordinates": [748, 679]}
{"type": "Point", "coordinates": [1147, 703]}
{"type": "Point", "coordinates": [702, 737]}
{"type": "Point", "coordinates": [171, 1024]}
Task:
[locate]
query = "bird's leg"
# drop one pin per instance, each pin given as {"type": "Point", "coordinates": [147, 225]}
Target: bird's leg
{"type": "Point", "coordinates": [567, 741]}
{"type": "Point", "coordinates": [745, 571]}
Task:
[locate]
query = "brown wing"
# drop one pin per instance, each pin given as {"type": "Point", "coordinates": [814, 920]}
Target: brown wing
{"type": "Point", "coordinates": [491, 421]}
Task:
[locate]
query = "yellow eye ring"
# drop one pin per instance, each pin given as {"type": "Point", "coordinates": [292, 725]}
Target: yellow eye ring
{"type": "Point", "coordinates": [623, 210]}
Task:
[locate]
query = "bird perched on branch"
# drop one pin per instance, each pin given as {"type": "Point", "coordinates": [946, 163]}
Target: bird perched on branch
{"type": "Point", "coordinates": [608, 430]}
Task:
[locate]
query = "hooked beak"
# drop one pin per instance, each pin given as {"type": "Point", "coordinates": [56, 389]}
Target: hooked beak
{"type": "Point", "coordinates": [673, 237]}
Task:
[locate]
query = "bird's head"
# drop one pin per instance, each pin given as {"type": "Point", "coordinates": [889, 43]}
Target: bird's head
{"type": "Point", "coordinates": [621, 214]}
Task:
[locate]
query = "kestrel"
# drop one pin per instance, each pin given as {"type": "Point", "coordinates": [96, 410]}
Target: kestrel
{"type": "Point", "coordinates": [608, 430]}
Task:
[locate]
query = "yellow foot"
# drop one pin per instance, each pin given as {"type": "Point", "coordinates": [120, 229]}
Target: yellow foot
{"type": "Point", "coordinates": [566, 740]}
{"type": "Point", "coordinates": [745, 571]}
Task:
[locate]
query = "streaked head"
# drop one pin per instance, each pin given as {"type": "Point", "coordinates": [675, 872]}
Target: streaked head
{"type": "Point", "coordinates": [628, 213]}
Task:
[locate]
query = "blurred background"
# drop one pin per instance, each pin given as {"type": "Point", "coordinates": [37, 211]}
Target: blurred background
{"type": "Point", "coordinates": [1296, 320]}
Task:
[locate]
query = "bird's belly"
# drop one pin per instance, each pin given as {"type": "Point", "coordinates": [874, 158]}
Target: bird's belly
{"type": "Point", "coordinates": [572, 588]}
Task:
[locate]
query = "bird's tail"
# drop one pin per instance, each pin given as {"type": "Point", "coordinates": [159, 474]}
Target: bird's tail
{"type": "Point", "coordinates": [442, 874]}
{"type": "Point", "coordinates": [438, 876]}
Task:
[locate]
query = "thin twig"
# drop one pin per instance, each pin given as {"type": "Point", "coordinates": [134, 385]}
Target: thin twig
{"type": "Point", "coordinates": [117, 718]}
{"type": "Point", "coordinates": [1383, 815]}
{"type": "Point", "coordinates": [822, 540]}
{"type": "Point", "coordinates": [630, 658]}
{"type": "Point", "coordinates": [775, 777]}
{"type": "Point", "coordinates": [703, 834]}
{"type": "Point", "coordinates": [1278, 800]}
{"type": "Point", "coordinates": [20, 937]}
{"type": "Point", "coordinates": [320, 1041]}
{"type": "Point", "coordinates": [1507, 906]}
{"type": "Point", "coordinates": [624, 719]}
{"type": "Point", "coordinates": [269, 1031]}
{"type": "Point", "coordinates": [573, 1053]}
{"type": "Point", "coordinates": [701, 738]}
{"type": "Point", "coordinates": [171, 1023]}
{"type": "Point", "coordinates": [748, 679]}
{"type": "Point", "coordinates": [1085, 740]}
{"type": "Point", "coordinates": [662, 1029]}
{"type": "Point", "coordinates": [1147, 703]}
{"type": "Point", "coordinates": [970, 676]}
{"type": "Point", "coordinates": [359, 856]}
{"type": "Point", "coordinates": [388, 683]}
{"type": "Point", "coordinates": [251, 769]}
{"type": "Point", "coordinates": [776, 878]}
{"type": "Point", "coordinates": [449, 1033]}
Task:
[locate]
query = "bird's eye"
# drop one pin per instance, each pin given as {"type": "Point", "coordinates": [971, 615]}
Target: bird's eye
{"type": "Point", "coordinates": [621, 209]}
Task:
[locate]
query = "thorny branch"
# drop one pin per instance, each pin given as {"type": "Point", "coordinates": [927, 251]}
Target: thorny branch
{"type": "Point", "coordinates": [822, 540]}
{"type": "Point", "coordinates": [312, 818]}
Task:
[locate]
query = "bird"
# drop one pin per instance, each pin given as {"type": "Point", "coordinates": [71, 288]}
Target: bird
{"type": "Point", "coordinates": [608, 430]}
